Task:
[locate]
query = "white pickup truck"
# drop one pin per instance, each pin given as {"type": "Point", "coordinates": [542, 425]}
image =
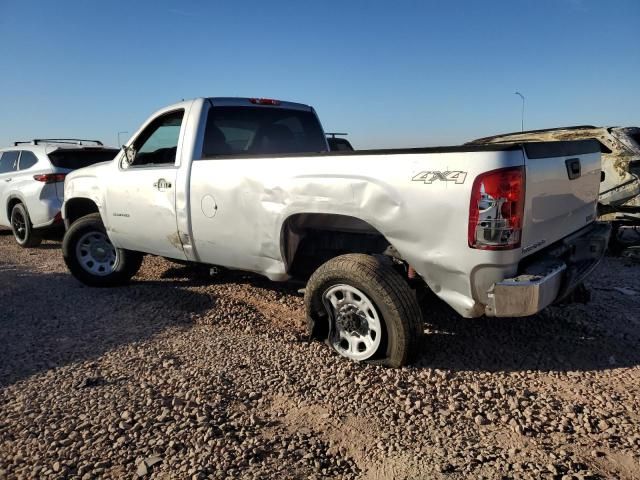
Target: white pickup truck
{"type": "Point", "coordinates": [249, 184]}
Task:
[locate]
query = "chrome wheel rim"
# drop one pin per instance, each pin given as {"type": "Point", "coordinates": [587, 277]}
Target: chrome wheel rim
{"type": "Point", "coordinates": [19, 225]}
{"type": "Point", "coordinates": [357, 327]}
{"type": "Point", "coordinates": [96, 254]}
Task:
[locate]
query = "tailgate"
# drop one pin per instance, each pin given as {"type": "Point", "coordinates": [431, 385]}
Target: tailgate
{"type": "Point", "coordinates": [562, 183]}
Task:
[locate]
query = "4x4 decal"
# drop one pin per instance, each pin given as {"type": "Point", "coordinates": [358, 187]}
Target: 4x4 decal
{"type": "Point", "coordinates": [429, 177]}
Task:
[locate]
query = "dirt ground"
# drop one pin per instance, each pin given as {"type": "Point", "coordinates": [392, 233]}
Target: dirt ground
{"type": "Point", "coordinates": [184, 376]}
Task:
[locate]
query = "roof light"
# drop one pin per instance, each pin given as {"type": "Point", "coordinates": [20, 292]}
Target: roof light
{"type": "Point", "coordinates": [264, 101]}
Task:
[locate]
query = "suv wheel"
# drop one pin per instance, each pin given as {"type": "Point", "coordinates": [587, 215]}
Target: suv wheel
{"type": "Point", "coordinates": [372, 312]}
{"type": "Point", "coordinates": [22, 228]}
{"type": "Point", "coordinates": [92, 258]}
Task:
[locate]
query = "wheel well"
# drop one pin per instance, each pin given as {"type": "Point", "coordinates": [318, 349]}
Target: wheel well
{"type": "Point", "coordinates": [12, 203]}
{"type": "Point", "coordinates": [79, 207]}
{"type": "Point", "coordinates": [310, 239]}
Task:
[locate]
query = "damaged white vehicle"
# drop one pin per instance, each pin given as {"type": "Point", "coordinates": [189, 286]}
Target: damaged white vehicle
{"type": "Point", "coordinates": [249, 184]}
{"type": "Point", "coordinates": [619, 200]}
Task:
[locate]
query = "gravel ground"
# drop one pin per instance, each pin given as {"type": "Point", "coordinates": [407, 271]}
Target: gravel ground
{"type": "Point", "coordinates": [184, 376]}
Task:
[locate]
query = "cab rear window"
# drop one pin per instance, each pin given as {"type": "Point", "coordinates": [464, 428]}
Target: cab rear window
{"type": "Point", "coordinates": [256, 130]}
{"type": "Point", "coordinates": [72, 159]}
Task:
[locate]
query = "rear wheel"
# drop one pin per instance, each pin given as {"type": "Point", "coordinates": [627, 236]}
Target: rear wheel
{"type": "Point", "coordinates": [372, 313]}
{"type": "Point", "coordinates": [22, 228]}
{"type": "Point", "coordinates": [92, 258]}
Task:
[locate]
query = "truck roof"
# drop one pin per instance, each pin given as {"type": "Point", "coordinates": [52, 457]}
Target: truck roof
{"type": "Point", "coordinates": [257, 102]}
{"type": "Point", "coordinates": [239, 102]}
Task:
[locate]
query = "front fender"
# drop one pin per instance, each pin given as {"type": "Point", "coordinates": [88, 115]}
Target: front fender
{"type": "Point", "coordinates": [83, 187]}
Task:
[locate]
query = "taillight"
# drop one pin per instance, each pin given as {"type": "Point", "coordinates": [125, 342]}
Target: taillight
{"type": "Point", "coordinates": [50, 177]}
{"type": "Point", "coordinates": [496, 209]}
{"type": "Point", "coordinates": [264, 101]}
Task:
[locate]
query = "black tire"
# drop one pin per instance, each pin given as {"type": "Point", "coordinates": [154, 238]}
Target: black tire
{"type": "Point", "coordinates": [126, 265]}
{"type": "Point", "coordinates": [392, 297]}
{"type": "Point", "coordinates": [22, 227]}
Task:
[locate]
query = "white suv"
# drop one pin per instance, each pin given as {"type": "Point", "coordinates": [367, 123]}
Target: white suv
{"type": "Point", "coordinates": [32, 182]}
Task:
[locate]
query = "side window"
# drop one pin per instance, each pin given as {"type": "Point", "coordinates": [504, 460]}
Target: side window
{"type": "Point", "coordinates": [27, 160]}
{"type": "Point", "coordinates": [158, 143]}
{"type": "Point", "coordinates": [8, 161]}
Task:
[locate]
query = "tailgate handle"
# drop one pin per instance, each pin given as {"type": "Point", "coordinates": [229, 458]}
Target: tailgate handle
{"type": "Point", "coordinates": [573, 168]}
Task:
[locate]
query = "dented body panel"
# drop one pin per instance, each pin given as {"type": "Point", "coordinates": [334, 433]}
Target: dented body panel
{"type": "Point", "coordinates": [243, 211]}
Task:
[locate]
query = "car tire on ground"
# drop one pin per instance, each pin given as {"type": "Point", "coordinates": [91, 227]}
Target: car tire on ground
{"type": "Point", "coordinates": [92, 258]}
{"type": "Point", "coordinates": [22, 228]}
{"type": "Point", "coordinates": [376, 317]}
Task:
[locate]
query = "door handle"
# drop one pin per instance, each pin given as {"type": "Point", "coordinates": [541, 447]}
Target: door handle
{"type": "Point", "coordinates": [574, 169]}
{"type": "Point", "coordinates": [162, 184]}
{"type": "Point", "coordinates": [8, 179]}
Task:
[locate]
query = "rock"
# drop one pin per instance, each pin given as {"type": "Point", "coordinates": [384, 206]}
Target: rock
{"type": "Point", "coordinates": [446, 468]}
{"type": "Point", "coordinates": [89, 382]}
{"type": "Point", "coordinates": [142, 469]}
{"type": "Point", "coordinates": [153, 460]}
{"type": "Point", "coordinates": [480, 420]}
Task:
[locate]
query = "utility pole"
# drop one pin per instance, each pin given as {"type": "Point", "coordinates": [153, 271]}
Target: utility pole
{"type": "Point", "coordinates": [522, 116]}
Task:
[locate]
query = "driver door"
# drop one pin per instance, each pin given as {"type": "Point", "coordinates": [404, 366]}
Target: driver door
{"type": "Point", "coordinates": [142, 205]}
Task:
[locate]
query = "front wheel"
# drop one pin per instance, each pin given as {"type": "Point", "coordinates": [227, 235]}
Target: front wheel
{"type": "Point", "coordinates": [91, 257]}
{"type": "Point", "coordinates": [371, 313]}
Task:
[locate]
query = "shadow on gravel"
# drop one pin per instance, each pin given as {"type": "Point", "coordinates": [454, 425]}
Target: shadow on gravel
{"type": "Point", "coordinates": [199, 275]}
{"type": "Point", "coordinates": [50, 320]}
{"type": "Point", "coordinates": [53, 235]}
{"type": "Point", "coordinates": [555, 340]}
{"type": "Point", "coordinates": [49, 246]}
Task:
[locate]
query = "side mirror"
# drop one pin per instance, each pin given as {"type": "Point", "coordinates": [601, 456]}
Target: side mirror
{"type": "Point", "coordinates": [129, 154]}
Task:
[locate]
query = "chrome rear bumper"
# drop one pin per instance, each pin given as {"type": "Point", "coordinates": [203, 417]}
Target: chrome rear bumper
{"type": "Point", "coordinates": [551, 276]}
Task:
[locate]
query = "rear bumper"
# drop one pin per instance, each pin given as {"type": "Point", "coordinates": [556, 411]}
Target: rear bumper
{"type": "Point", "coordinates": [551, 276]}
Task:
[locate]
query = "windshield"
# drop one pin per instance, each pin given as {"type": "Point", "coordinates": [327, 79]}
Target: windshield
{"type": "Point", "coordinates": [72, 159]}
{"type": "Point", "coordinates": [259, 130]}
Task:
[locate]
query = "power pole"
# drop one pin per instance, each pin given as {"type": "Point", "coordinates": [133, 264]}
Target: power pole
{"type": "Point", "coordinates": [120, 144]}
{"type": "Point", "coordinates": [522, 116]}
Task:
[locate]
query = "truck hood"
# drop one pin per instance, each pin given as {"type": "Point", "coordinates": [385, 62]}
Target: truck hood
{"type": "Point", "coordinates": [84, 182]}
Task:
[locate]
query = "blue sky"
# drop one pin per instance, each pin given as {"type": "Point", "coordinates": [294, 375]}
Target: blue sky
{"type": "Point", "coordinates": [391, 73]}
